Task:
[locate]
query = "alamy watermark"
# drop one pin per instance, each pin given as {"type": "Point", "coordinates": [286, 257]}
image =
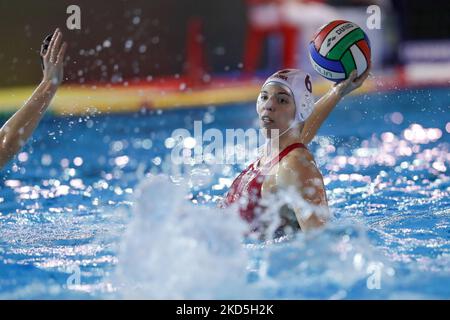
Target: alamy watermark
{"type": "Point", "coordinates": [214, 146]}
{"type": "Point", "coordinates": [74, 280]}
{"type": "Point", "coordinates": [374, 19]}
{"type": "Point", "coordinates": [74, 20]}
{"type": "Point", "coordinates": [374, 270]}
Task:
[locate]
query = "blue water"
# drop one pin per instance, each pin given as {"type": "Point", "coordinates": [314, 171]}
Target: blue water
{"type": "Point", "coordinates": [82, 214]}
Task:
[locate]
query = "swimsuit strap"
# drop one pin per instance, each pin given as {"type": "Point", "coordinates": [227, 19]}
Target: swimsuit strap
{"type": "Point", "coordinates": [285, 152]}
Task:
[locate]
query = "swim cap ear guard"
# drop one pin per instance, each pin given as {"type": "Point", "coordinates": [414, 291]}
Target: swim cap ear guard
{"type": "Point", "coordinates": [44, 47]}
{"type": "Point", "coordinates": [299, 83]}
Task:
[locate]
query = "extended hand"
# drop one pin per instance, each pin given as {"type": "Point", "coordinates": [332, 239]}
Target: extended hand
{"type": "Point", "coordinates": [352, 83]}
{"type": "Point", "coordinates": [53, 59]}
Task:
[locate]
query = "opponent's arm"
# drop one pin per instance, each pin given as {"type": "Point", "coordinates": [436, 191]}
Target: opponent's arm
{"type": "Point", "coordinates": [16, 131]}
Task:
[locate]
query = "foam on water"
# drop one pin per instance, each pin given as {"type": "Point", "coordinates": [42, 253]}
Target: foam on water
{"type": "Point", "coordinates": [177, 250]}
{"type": "Point", "coordinates": [174, 249]}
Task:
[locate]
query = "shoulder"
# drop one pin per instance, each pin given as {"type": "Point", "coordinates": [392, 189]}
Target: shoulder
{"type": "Point", "coordinates": [299, 158]}
{"type": "Point", "coordinates": [298, 166]}
{"type": "Point", "coordinates": [297, 169]}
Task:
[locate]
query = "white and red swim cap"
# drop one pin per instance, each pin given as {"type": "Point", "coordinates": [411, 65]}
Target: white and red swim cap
{"type": "Point", "coordinates": [299, 83]}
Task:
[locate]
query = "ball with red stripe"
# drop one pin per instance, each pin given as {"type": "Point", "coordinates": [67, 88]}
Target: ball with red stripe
{"type": "Point", "coordinates": [338, 48]}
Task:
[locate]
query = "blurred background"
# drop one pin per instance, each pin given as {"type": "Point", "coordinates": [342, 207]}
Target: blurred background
{"type": "Point", "coordinates": [189, 44]}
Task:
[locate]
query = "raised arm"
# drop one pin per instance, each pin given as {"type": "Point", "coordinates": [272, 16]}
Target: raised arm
{"type": "Point", "coordinates": [16, 131]}
{"type": "Point", "coordinates": [326, 104]}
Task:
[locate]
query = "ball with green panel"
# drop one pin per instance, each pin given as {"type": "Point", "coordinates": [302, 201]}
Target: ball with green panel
{"type": "Point", "coordinates": [338, 48]}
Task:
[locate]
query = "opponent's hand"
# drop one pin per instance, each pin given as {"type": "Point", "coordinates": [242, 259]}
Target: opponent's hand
{"type": "Point", "coordinates": [352, 83]}
{"type": "Point", "coordinates": [53, 59]}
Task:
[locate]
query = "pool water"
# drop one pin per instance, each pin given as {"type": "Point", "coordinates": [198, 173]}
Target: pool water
{"type": "Point", "coordinates": [84, 213]}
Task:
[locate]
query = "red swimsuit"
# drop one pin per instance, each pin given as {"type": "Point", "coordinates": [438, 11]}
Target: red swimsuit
{"type": "Point", "coordinates": [246, 188]}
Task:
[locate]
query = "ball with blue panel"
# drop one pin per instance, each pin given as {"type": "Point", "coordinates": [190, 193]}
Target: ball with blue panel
{"type": "Point", "coordinates": [338, 48]}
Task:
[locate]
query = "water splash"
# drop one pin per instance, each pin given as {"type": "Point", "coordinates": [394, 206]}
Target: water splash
{"type": "Point", "coordinates": [176, 250]}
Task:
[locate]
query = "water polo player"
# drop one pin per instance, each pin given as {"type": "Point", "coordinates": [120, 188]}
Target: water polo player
{"type": "Point", "coordinates": [285, 103]}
